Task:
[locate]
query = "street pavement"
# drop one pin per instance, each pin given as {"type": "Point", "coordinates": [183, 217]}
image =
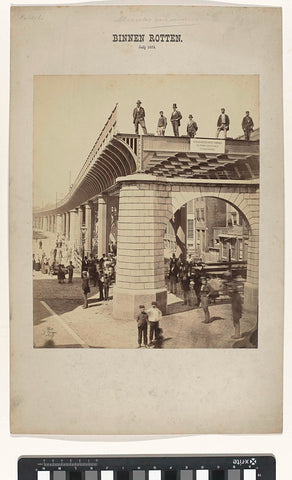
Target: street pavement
{"type": "Point", "coordinates": [61, 322]}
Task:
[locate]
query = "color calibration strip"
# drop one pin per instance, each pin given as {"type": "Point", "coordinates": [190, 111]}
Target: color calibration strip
{"type": "Point", "coordinates": [234, 474]}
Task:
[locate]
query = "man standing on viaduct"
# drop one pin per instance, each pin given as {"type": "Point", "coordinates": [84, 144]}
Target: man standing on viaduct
{"type": "Point", "coordinates": [247, 125]}
{"type": "Point", "coordinates": [139, 118]}
{"type": "Point", "coordinates": [223, 123]}
{"type": "Point", "coordinates": [175, 119]}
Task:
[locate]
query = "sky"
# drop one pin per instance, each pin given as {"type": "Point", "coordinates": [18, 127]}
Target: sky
{"type": "Point", "coordinates": [70, 111]}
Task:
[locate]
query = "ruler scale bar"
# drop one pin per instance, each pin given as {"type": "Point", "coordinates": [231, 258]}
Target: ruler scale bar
{"type": "Point", "coordinates": [225, 467]}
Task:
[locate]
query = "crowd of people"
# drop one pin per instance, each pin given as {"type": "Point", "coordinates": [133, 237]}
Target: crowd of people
{"type": "Point", "coordinates": [99, 273]}
{"type": "Point", "coordinates": [190, 279]}
{"type": "Point", "coordinates": [223, 122]}
{"type": "Point", "coordinates": [49, 261]}
{"type": "Point", "coordinates": [185, 278]}
{"type": "Point", "coordinates": [95, 272]}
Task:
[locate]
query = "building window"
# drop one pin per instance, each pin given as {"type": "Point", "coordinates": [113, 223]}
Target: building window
{"type": "Point", "coordinates": [198, 213]}
{"type": "Point", "coordinates": [240, 249]}
{"type": "Point", "coordinates": [190, 229]}
{"type": "Point", "coordinates": [202, 214]}
{"type": "Point", "coordinates": [190, 206]}
{"type": "Point", "coordinates": [198, 237]}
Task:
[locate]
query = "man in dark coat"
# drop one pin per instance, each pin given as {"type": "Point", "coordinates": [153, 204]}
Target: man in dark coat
{"type": "Point", "coordinates": [92, 271]}
{"type": "Point", "coordinates": [70, 269]}
{"type": "Point", "coordinates": [85, 288]}
{"type": "Point", "coordinates": [247, 125]}
{"type": "Point", "coordinates": [142, 324]}
{"type": "Point", "coordinates": [85, 263]}
{"type": "Point", "coordinates": [185, 283]}
{"type": "Point", "coordinates": [192, 127]}
{"type": "Point", "coordinates": [175, 119]}
{"type": "Point", "coordinates": [223, 123]}
{"type": "Point", "coordinates": [100, 280]}
{"type": "Point", "coordinates": [139, 118]}
{"type": "Point", "coordinates": [197, 286]}
{"type": "Point", "coordinates": [173, 272]}
{"type": "Point", "coordinates": [106, 285]}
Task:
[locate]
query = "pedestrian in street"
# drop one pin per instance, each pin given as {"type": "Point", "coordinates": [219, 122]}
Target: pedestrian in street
{"type": "Point", "coordinates": [154, 316]}
{"type": "Point", "coordinates": [100, 285]}
{"type": "Point", "coordinates": [70, 269]}
{"type": "Point", "coordinates": [192, 127]}
{"type": "Point", "coordinates": [142, 319]}
{"type": "Point", "coordinates": [139, 118]}
{"type": "Point", "coordinates": [205, 292]}
{"type": "Point", "coordinates": [175, 119]}
{"type": "Point", "coordinates": [61, 274]}
{"type": "Point", "coordinates": [236, 307]}
{"type": "Point", "coordinates": [161, 125]}
{"type": "Point", "coordinates": [92, 271]}
{"type": "Point", "coordinates": [102, 260]}
{"type": "Point", "coordinates": [173, 272]}
{"type": "Point", "coordinates": [85, 264]}
{"type": "Point", "coordinates": [106, 285]}
{"type": "Point", "coordinates": [85, 288]}
{"type": "Point", "coordinates": [223, 123]}
{"type": "Point", "coordinates": [185, 283]}
{"type": "Point", "coordinates": [247, 125]}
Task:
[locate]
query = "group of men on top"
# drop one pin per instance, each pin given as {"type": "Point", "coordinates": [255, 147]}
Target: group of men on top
{"type": "Point", "coordinates": [223, 122]}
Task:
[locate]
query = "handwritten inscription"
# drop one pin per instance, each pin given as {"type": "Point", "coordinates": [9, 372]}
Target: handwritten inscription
{"type": "Point", "coordinates": [32, 18]}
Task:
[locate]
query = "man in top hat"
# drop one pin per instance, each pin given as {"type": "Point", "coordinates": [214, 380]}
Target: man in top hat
{"type": "Point", "coordinates": [247, 125]}
{"type": "Point", "coordinates": [175, 119]}
{"type": "Point", "coordinates": [154, 315]}
{"type": "Point", "coordinates": [192, 127]}
{"type": "Point", "coordinates": [223, 123]}
{"type": "Point", "coordinates": [161, 125]}
{"type": "Point", "coordinates": [139, 118]}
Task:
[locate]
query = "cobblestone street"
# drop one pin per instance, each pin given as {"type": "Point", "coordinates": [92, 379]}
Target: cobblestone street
{"type": "Point", "coordinates": [61, 322]}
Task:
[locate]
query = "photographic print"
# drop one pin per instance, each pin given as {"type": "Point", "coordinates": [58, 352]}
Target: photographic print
{"type": "Point", "coordinates": [146, 211]}
{"type": "Point", "coordinates": [146, 220]}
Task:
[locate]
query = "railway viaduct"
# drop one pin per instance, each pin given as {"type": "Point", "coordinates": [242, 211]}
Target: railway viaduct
{"type": "Point", "coordinates": [140, 182]}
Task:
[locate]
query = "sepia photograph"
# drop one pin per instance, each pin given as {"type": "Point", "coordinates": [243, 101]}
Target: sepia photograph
{"type": "Point", "coordinates": [146, 211]}
{"type": "Point", "coordinates": [146, 214]}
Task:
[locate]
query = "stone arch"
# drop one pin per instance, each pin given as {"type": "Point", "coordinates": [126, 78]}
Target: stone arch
{"type": "Point", "coordinates": [237, 200]}
{"type": "Point", "coordinates": [246, 201]}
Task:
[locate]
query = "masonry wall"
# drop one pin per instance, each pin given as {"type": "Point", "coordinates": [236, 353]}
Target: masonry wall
{"type": "Point", "coordinates": [145, 208]}
{"type": "Point", "coordinates": [143, 214]}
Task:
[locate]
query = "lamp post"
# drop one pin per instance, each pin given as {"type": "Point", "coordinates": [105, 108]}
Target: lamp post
{"type": "Point", "coordinates": [83, 236]}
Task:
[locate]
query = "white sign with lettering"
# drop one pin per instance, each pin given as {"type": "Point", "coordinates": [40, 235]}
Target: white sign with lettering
{"type": "Point", "coordinates": [207, 145]}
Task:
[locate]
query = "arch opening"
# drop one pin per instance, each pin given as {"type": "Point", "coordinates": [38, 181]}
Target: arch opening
{"type": "Point", "coordinates": [210, 239]}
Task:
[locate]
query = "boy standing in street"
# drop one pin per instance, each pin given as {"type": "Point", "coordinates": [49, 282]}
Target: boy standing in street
{"type": "Point", "coordinates": [142, 319]}
{"type": "Point", "coordinates": [154, 315]}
